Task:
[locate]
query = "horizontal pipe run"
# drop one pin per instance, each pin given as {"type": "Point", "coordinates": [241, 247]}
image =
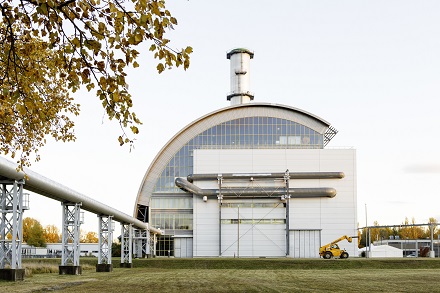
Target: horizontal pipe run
{"type": "Point", "coordinates": [254, 193]}
{"type": "Point", "coordinates": [252, 176]}
{"type": "Point", "coordinates": [49, 188]}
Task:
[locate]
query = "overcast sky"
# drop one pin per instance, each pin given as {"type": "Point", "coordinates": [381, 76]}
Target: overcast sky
{"type": "Point", "coordinates": [370, 68]}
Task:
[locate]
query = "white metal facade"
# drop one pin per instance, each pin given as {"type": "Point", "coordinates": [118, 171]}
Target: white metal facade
{"type": "Point", "coordinates": [264, 229]}
{"type": "Point", "coordinates": [313, 221]}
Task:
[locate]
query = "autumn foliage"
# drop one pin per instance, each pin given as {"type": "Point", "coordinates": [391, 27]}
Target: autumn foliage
{"type": "Point", "coordinates": [51, 48]}
{"type": "Point", "coordinates": [33, 233]}
{"type": "Point", "coordinates": [407, 230]}
{"type": "Point", "coordinates": [89, 237]}
{"type": "Point", "coordinates": [52, 234]}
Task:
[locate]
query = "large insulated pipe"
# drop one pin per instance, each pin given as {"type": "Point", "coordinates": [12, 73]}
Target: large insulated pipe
{"type": "Point", "coordinates": [240, 76]}
{"type": "Point", "coordinates": [252, 176]}
{"type": "Point", "coordinates": [49, 188]}
{"type": "Point", "coordinates": [254, 192]}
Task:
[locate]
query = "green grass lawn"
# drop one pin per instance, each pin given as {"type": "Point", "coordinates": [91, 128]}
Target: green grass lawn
{"type": "Point", "coordinates": [241, 275]}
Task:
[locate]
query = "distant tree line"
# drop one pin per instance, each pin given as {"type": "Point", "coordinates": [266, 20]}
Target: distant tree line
{"type": "Point", "coordinates": [407, 230]}
{"type": "Point", "coordinates": [35, 235]}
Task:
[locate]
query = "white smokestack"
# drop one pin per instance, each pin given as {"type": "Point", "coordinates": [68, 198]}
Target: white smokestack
{"type": "Point", "coordinates": [240, 77]}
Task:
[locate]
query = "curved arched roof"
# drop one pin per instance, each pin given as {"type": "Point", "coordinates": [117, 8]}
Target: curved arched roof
{"type": "Point", "coordinates": [214, 118]}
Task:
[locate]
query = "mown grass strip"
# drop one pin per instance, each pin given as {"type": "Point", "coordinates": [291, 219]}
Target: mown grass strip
{"type": "Point", "coordinates": [242, 275]}
{"type": "Point", "coordinates": [260, 263]}
{"type": "Point", "coordinates": [288, 263]}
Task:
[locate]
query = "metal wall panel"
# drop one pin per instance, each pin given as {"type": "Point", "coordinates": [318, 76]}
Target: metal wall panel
{"type": "Point", "coordinates": [205, 228]}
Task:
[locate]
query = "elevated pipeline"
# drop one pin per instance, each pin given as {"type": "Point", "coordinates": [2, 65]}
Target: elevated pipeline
{"type": "Point", "coordinates": [252, 176]}
{"type": "Point", "coordinates": [51, 189]}
{"type": "Point", "coordinates": [254, 192]}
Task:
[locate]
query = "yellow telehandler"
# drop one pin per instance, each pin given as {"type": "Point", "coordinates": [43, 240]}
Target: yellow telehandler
{"type": "Point", "coordinates": [332, 249]}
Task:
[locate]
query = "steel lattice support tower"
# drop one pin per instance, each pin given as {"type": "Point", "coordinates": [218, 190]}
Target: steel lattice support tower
{"type": "Point", "coordinates": [105, 239]}
{"type": "Point", "coordinates": [141, 242]}
{"type": "Point", "coordinates": [11, 205]}
{"type": "Point", "coordinates": [71, 234]}
{"type": "Point", "coordinates": [126, 245]}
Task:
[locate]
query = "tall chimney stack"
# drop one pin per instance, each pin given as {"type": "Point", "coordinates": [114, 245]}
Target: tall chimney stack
{"type": "Point", "coordinates": [240, 77]}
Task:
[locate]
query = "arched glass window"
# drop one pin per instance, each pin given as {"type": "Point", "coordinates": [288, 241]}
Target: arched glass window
{"type": "Point", "coordinates": [242, 133]}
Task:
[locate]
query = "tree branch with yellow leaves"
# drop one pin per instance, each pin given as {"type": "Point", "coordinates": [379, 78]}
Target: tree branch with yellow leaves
{"type": "Point", "coordinates": [50, 49]}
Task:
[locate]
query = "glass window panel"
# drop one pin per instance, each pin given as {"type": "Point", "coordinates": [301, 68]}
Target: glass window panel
{"type": "Point", "coordinates": [305, 139]}
{"type": "Point", "coordinates": [255, 130]}
{"type": "Point", "coordinates": [242, 129]}
{"type": "Point", "coordinates": [283, 140]}
{"type": "Point", "coordinates": [255, 140]}
{"type": "Point", "coordinates": [248, 141]}
{"type": "Point", "coordinates": [294, 140]}
{"type": "Point", "coordinates": [284, 129]}
{"type": "Point", "coordinates": [291, 129]}
{"type": "Point", "coordinates": [247, 129]}
{"type": "Point", "coordinates": [160, 183]}
{"type": "Point", "coordinates": [214, 140]}
{"type": "Point", "coordinates": [242, 140]}
{"type": "Point", "coordinates": [261, 140]}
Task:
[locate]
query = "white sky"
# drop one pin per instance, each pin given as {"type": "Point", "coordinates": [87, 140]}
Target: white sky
{"type": "Point", "coordinates": [370, 68]}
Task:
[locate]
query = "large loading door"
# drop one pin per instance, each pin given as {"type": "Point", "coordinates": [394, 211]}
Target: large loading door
{"type": "Point", "coordinates": [253, 229]}
{"type": "Point", "coordinates": [305, 243]}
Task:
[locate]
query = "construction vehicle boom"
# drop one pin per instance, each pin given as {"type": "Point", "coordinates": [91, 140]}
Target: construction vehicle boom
{"type": "Point", "coordinates": [332, 249]}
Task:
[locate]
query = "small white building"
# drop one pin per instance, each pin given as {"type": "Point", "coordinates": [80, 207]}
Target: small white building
{"type": "Point", "coordinates": [383, 251]}
{"type": "Point", "coordinates": [55, 250]}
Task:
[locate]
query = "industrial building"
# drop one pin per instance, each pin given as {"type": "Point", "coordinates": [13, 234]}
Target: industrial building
{"type": "Point", "coordinates": [250, 180]}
